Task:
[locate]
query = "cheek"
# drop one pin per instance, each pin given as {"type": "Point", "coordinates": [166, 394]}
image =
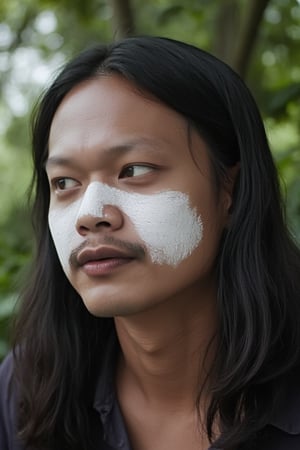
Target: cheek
{"type": "Point", "coordinates": [170, 228]}
{"type": "Point", "coordinates": [167, 224]}
{"type": "Point", "coordinates": [62, 224]}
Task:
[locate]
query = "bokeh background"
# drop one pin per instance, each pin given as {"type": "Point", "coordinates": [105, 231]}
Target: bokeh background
{"type": "Point", "coordinates": [258, 38]}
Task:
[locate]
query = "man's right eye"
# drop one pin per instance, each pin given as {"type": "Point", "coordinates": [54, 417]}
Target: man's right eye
{"type": "Point", "coordinates": [62, 184]}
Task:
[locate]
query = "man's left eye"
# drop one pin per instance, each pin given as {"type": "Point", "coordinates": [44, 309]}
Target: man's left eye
{"type": "Point", "coordinates": [135, 171]}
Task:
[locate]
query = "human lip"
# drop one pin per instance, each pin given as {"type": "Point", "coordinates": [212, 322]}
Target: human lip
{"type": "Point", "coordinates": [102, 260]}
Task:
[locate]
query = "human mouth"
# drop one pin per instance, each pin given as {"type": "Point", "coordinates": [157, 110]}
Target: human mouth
{"type": "Point", "coordinates": [103, 260]}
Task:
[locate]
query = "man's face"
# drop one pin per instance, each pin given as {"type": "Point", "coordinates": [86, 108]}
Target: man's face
{"type": "Point", "coordinates": [135, 221]}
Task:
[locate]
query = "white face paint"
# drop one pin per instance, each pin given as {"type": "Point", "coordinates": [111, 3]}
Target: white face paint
{"type": "Point", "coordinates": [165, 221]}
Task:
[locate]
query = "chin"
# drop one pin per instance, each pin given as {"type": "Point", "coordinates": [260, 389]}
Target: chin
{"type": "Point", "coordinates": [105, 306]}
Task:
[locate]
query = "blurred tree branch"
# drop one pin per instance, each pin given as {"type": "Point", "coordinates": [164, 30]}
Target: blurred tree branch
{"type": "Point", "coordinates": [25, 21]}
{"type": "Point", "coordinates": [247, 35]}
{"type": "Point", "coordinates": [227, 21]}
{"type": "Point", "coordinates": [123, 20]}
{"type": "Point", "coordinates": [237, 32]}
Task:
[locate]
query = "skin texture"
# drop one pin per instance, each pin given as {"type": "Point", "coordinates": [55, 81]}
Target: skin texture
{"type": "Point", "coordinates": [165, 315]}
{"type": "Point", "coordinates": [158, 219]}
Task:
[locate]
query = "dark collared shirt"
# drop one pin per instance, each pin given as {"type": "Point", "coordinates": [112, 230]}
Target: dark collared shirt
{"type": "Point", "coordinates": [283, 433]}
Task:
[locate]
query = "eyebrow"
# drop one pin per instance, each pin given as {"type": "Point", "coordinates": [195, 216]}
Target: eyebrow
{"type": "Point", "coordinates": [153, 145]}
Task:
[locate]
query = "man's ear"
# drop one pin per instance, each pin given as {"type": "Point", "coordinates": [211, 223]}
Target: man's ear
{"type": "Point", "coordinates": [229, 184]}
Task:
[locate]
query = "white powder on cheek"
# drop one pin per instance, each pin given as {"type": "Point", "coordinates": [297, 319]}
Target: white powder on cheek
{"type": "Point", "coordinates": [62, 224]}
{"type": "Point", "coordinates": [165, 221]}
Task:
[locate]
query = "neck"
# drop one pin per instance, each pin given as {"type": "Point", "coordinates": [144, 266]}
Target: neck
{"type": "Point", "coordinates": [166, 354]}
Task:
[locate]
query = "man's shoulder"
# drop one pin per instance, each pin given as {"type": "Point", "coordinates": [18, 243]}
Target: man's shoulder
{"type": "Point", "coordinates": [283, 431]}
{"type": "Point", "coordinates": [6, 378]}
{"type": "Point", "coordinates": [287, 417]}
{"type": "Point", "coordinates": [8, 439]}
{"type": "Point", "coordinates": [6, 366]}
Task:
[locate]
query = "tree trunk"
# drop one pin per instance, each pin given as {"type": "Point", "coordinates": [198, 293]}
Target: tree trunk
{"type": "Point", "coordinates": [245, 40]}
{"type": "Point", "coordinates": [123, 21]}
{"type": "Point", "coordinates": [227, 22]}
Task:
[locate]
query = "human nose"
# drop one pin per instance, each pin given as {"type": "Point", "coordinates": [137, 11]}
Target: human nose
{"type": "Point", "coordinates": [99, 210]}
{"type": "Point", "coordinates": [111, 219]}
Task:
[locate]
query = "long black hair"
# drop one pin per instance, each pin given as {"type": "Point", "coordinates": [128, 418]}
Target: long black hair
{"type": "Point", "coordinates": [59, 343]}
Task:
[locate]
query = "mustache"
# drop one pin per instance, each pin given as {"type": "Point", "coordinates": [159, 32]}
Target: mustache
{"type": "Point", "coordinates": [136, 250]}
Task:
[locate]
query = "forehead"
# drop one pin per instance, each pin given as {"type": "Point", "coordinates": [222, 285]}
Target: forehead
{"type": "Point", "coordinates": [109, 107]}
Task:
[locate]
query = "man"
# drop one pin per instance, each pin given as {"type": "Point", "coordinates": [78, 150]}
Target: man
{"type": "Point", "coordinates": [163, 311]}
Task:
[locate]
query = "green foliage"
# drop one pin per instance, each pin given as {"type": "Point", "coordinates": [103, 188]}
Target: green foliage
{"type": "Point", "coordinates": [6, 313]}
{"type": "Point", "coordinates": [37, 36]}
{"type": "Point", "coordinates": [15, 251]}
